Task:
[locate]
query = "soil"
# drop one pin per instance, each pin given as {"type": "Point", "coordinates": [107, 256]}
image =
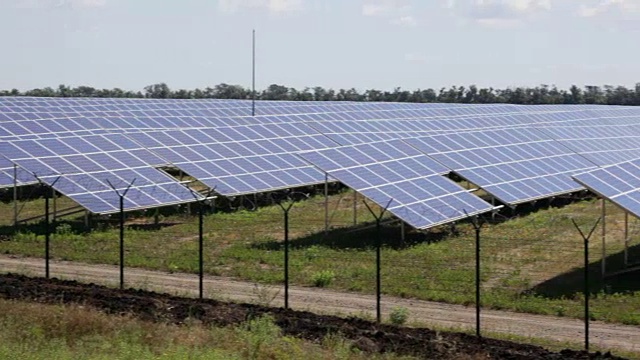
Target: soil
{"type": "Point", "coordinates": [367, 336]}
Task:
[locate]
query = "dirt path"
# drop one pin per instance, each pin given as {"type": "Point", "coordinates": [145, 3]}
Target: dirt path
{"type": "Point", "coordinates": [608, 336]}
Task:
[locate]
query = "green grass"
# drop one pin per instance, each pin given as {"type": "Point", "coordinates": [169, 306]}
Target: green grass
{"type": "Point", "coordinates": [35, 331]}
{"type": "Point", "coordinates": [532, 263]}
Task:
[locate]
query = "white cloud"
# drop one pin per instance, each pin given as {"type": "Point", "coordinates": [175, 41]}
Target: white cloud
{"type": "Point", "coordinates": [273, 6]}
{"type": "Point", "coordinates": [626, 6]}
{"type": "Point", "coordinates": [498, 13]}
{"type": "Point", "coordinates": [397, 12]}
{"type": "Point", "coordinates": [407, 20]}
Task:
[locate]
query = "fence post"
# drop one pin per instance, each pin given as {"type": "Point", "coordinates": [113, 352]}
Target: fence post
{"type": "Point", "coordinates": [378, 218]}
{"type": "Point", "coordinates": [586, 278]}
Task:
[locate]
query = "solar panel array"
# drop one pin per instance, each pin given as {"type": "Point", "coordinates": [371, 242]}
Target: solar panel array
{"type": "Point", "coordinates": [514, 165]}
{"type": "Point", "coordinates": [516, 153]}
{"type": "Point", "coordinates": [85, 167]}
{"type": "Point", "coordinates": [602, 144]}
{"type": "Point", "coordinates": [396, 175]}
{"type": "Point", "coordinates": [619, 183]}
{"type": "Point", "coordinates": [245, 160]}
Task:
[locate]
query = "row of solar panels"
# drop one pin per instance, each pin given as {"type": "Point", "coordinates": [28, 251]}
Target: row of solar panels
{"type": "Point", "coordinates": [525, 164]}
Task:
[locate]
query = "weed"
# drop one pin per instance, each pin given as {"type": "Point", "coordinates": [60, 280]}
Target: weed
{"type": "Point", "coordinates": [322, 278]}
{"type": "Point", "coordinates": [399, 315]}
{"type": "Point", "coordinates": [264, 294]}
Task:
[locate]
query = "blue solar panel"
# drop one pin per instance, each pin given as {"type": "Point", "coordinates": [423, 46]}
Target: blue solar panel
{"type": "Point", "coordinates": [513, 165]}
{"type": "Point", "coordinates": [603, 144]}
{"type": "Point", "coordinates": [241, 160]}
{"type": "Point", "coordinates": [619, 183]}
{"type": "Point", "coordinates": [85, 166]}
{"type": "Point", "coordinates": [396, 174]}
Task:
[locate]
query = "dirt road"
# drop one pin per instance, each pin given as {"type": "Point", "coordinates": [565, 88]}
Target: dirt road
{"type": "Point", "coordinates": [425, 313]}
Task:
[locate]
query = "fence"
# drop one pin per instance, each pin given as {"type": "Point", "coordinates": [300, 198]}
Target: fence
{"type": "Point", "coordinates": [531, 261]}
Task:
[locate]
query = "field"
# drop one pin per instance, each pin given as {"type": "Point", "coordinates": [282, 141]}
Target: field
{"type": "Point", "coordinates": [531, 262]}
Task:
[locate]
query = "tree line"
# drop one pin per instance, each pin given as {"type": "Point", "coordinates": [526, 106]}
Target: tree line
{"type": "Point", "coordinates": [543, 94]}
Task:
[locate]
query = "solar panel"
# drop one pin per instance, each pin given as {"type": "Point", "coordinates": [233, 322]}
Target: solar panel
{"type": "Point", "coordinates": [12, 175]}
{"type": "Point", "coordinates": [602, 145]}
{"type": "Point", "coordinates": [513, 165]}
{"type": "Point", "coordinates": [241, 160]}
{"type": "Point", "coordinates": [619, 183]}
{"type": "Point", "coordinates": [84, 167]}
{"type": "Point", "coordinates": [395, 174]}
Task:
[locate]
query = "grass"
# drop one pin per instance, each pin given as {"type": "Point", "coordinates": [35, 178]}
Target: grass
{"type": "Point", "coordinates": [36, 331]}
{"type": "Point", "coordinates": [532, 263]}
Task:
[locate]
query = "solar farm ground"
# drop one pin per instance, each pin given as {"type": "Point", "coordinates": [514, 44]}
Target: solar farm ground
{"type": "Point", "coordinates": [531, 263]}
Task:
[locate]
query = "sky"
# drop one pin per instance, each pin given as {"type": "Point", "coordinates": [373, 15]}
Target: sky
{"type": "Point", "coordinates": [364, 44]}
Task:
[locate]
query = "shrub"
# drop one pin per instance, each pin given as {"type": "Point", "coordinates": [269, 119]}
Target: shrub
{"type": "Point", "coordinates": [398, 315]}
{"type": "Point", "coordinates": [323, 278]}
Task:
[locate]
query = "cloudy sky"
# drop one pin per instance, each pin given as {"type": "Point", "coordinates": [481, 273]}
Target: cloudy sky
{"type": "Point", "coordinates": [333, 43]}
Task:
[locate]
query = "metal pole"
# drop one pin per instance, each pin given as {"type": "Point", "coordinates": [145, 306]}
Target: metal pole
{"type": "Point", "coordinates": [378, 246]}
{"type": "Point", "coordinates": [55, 204]}
{"type": "Point", "coordinates": [586, 293]}
{"type": "Point", "coordinates": [253, 73]}
{"type": "Point", "coordinates": [121, 242]}
{"type": "Point", "coordinates": [493, 205]}
{"type": "Point", "coordinates": [15, 195]}
{"type": "Point", "coordinates": [286, 259]}
{"type": "Point", "coordinates": [47, 235]}
{"type": "Point", "coordinates": [378, 287]}
{"type": "Point", "coordinates": [478, 281]}
{"type": "Point", "coordinates": [626, 239]}
{"type": "Point", "coordinates": [201, 249]}
{"type": "Point", "coordinates": [604, 235]}
{"type": "Point", "coordinates": [326, 203]}
{"type": "Point", "coordinates": [586, 278]}
{"type": "Point", "coordinates": [402, 232]}
{"type": "Point", "coordinates": [355, 208]}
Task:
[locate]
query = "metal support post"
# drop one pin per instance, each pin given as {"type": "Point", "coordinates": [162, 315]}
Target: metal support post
{"type": "Point", "coordinates": [55, 204]}
{"type": "Point", "coordinates": [201, 250]}
{"type": "Point", "coordinates": [402, 231]}
{"type": "Point", "coordinates": [493, 205]}
{"type": "Point", "coordinates": [122, 196]}
{"type": "Point", "coordinates": [286, 258]}
{"type": "Point", "coordinates": [122, 242]}
{"type": "Point", "coordinates": [285, 210]}
{"type": "Point", "coordinates": [626, 239]}
{"type": "Point", "coordinates": [47, 225]}
{"type": "Point", "coordinates": [355, 208]}
{"type": "Point", "coordinates": [586, 291]}
{"type": "Point", "coordinates": [47, 235]}
{"type": "Point", "coordinates": [253, 73]}
{"type": "Point", "coordinates": [15, 195]}
{"type": "Point", "coordinates": [604, 238]}
{"type": "Point", "coordinates": [378, 282]}
{"type": "Point", "coordinates": [477, 225]}
{"type": "Point", "coordinates": [326, 203]}
{"type": "Point", "coordinates": [477, 280]}
{"type": "Point", "coordinates": [378, 257]}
